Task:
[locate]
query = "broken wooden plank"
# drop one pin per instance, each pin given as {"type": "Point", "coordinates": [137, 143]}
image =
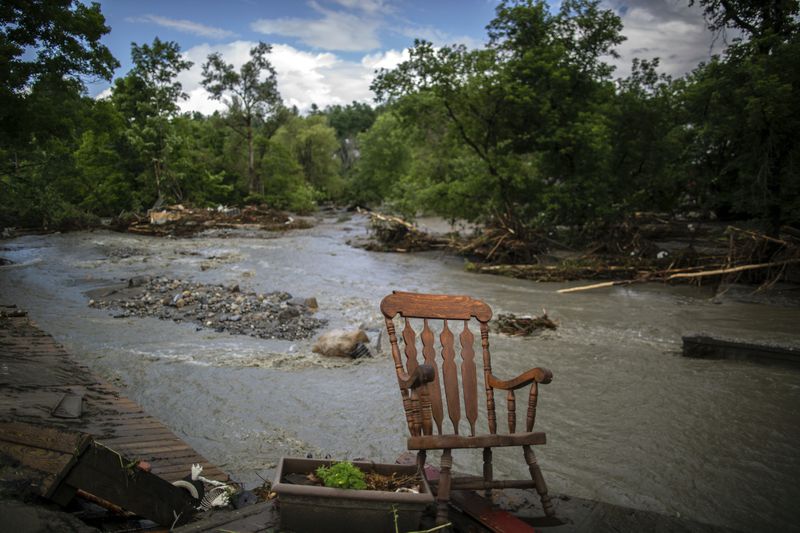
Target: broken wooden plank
{"type": "Point", "coordinates": [108, 475]}
{"type": "Point", "coordinates": [69, 406]}
{"type": "Point", "coordinates": [492, 518]}
{"type": "Point", "coordinates": [262, 516]}
{"type": "Point", "coordinates": [48, 452]}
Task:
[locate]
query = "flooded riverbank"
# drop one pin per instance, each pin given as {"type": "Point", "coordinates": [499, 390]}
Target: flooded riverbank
{"type": "Point", "coordinates": [629, 421]}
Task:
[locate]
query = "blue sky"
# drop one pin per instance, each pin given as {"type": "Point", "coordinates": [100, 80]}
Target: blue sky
{"type": "Point", "coordinates": [326, 51]}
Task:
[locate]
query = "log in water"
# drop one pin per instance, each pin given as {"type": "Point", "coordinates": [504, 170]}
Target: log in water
{"type": "Point", "coordinates": [705, 347]}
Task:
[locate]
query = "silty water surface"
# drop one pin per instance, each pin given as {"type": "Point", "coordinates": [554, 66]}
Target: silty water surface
{"type": "Point", "coordinates": [629, 421]}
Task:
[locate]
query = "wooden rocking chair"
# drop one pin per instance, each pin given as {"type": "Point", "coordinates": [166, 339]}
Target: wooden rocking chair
{"type": "Point", "coordinates": [422, 394]}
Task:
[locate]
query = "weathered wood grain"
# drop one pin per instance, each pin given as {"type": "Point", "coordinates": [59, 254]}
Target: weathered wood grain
{"type": "Point", "coordinates": [469, 377]}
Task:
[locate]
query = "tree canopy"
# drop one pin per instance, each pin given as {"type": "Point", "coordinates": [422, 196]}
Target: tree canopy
{"type": "Point", "coordinates": [530, 132]}
{"type": "Point", "coordinates": [251, 95]}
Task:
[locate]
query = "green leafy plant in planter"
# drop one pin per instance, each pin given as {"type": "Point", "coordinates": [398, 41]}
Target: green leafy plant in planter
{"type": "Point", "coordinates": [343, 475]}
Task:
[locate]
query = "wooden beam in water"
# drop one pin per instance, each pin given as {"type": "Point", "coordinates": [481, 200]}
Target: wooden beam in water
{"type": "Point", "coordinates": [705, 347]}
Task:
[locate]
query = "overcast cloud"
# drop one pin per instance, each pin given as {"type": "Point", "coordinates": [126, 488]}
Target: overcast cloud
{"type": "Point", "coordinates": [303, 77]}
{"type": "Point", "coordinates": [186, 26]}
{"type": "Point", "coordinates": [335, 49]}
{"type": "Point", "coordinates": [332, 30]}
{"type": "Point", "coordinates": [667, 29]}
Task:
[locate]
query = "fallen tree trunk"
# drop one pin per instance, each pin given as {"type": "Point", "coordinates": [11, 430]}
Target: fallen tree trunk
{"type": "Point", "coordinates": [666, 276]}
{"type": "Point", "coordinates": [723, 271]}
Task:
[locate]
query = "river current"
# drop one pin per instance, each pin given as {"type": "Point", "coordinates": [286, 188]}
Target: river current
{"type": "Point", "coordinates": [629, 421]}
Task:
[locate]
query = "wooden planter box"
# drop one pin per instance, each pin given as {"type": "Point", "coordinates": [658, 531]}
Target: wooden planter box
{"type": "Point", "coordinates": [305, 508]}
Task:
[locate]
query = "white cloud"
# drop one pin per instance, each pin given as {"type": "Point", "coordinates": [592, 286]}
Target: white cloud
{"type": "Point", "coordinates": [104, 94]}
{"type": "Point", "coordinates": [336, 30]}
{"type": "Point", "coordinates": [368, 6]}
{"type": "Point", "coordinates": [303, 77]}
{"type": "Point", "coordinates": [186, 26]}
{"type": "Point", "coordinates": [388, 59]}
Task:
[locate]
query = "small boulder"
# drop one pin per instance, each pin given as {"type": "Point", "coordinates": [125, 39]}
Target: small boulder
{"type": "Point", "coordinates": [340, 343]}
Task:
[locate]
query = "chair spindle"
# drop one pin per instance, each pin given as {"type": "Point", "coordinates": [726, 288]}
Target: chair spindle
{"type": "Point", "coordinates": [469, 378]}
{"type": "Point", "coordinates": [450, 375]}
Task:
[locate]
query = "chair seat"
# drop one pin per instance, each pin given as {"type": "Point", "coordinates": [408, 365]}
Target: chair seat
{"type": "Point", "coordinates": [433, 442]}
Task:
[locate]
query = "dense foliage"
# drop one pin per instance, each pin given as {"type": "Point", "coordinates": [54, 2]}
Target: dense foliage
{"type": "Point", "coordinates": [529, 132]}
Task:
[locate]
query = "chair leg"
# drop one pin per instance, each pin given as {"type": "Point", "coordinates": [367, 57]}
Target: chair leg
{"type": "Point", "coordinates": [443, 492]}
{"type": "Point", "coordinates": [487, 470]}
{"type": "Point", "coordinates": [538, 479]}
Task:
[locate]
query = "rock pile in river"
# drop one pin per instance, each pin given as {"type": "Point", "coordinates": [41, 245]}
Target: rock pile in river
{"type": "Point", "coordinates": [274, 315]}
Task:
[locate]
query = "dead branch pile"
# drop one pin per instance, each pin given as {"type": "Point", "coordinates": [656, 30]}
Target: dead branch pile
{"type": "Point", "coordinates": [392, 482]}
{"type": "Point", "coordinates": [505, 243]}
{"type": "Point", "coordinates": [565, 271]}
{"type": "Point", "coordinates": [393, 234]}
{"type": "Point", "coordinates": [752, 257]}
{"type": "Point", "coordinates": [178, 220]}
{"type": "Point", "coordinates": [511, 324]}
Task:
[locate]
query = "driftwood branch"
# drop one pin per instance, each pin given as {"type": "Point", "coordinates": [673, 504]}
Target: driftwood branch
{"type": "Point", "coordinates": [389, 219]}
{"type": "Point", "coordinates": [723, 271]}
{"type": "Point", "coordinates": [681, 275]}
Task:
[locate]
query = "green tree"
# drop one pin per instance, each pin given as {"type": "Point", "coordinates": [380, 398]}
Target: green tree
{"type": "Point", "coordinates": [313, 145]}
{"type": "Point", "coordinates": [251, 95]}
{"type": "Point", "coordinates": [106, 165]}
{"type": "Point", "coordinates": [46, 50]}
{"type": "Point", "coordinates": [56, 40]}
{"type": "Point", "coordinates": [530, 107]}
{"type": "Point", "coordinates": [385, 160]}
{"type": "Point", "coordinates": [287, 187]}
{"type": "Point", "coordinates": [647, 162]}
{"type": "Point", "coordinates": [148, 96]}
{"type": "Point", "coordinates": [744, 111]}
{"type": "Point", "coordinates": [349, 121]}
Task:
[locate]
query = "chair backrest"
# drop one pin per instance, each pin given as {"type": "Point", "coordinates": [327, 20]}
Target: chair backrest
{"type": "Point", "coordinates": [456, 312]}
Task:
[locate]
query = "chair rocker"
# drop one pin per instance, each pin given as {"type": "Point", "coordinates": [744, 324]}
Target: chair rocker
{"type": "Point", "coordinates": [421, 391]}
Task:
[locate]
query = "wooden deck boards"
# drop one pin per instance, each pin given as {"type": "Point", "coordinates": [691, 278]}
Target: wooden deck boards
{"type": "Point", "coordinates": [36, 372]}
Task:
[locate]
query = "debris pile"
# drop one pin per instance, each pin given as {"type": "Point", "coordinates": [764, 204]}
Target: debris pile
{"type": "Point", "coordinates": [393, 234]}
{"type": "Point", "coordinates": [501, 242]}
{"type": "Point", "coordinates": [511, 324]}
{"type": "Point", "coordinates": [275, 315]}
{"type": "Point", "coordinates": [177, 220]}
{"type": "Point", "coordinates": [752, 257]}
{"type": "Point", "coordinates": [588, 268]}
{"type": "Point", "coordinates": [11, 311]}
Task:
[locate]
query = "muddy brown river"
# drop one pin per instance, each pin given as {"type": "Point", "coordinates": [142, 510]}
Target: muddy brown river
{"type": "Point", "coordinates": [629, 421]}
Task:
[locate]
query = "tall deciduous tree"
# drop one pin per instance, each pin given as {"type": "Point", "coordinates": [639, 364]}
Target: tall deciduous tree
{"type": "Point", "coordinates": [530, 106]}
{"type": "Point", "coordinates": [251, 94]}
{"type": "Point", "coordinates": [349, 121]}
{"type": "Point", "coordinates": [45, 41]}
{"type": "Point", "coordinates": [47, 49]}
{"type": "Point", "coordinates": [148, 96]}
{"type": "Point", "coordinates": [745, 111]}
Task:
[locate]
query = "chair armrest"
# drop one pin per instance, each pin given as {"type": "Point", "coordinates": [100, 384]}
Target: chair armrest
{"type": "Point", "coordinates": [538, 375]}
{"type": "Point", "coordinates": [421, 375]}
